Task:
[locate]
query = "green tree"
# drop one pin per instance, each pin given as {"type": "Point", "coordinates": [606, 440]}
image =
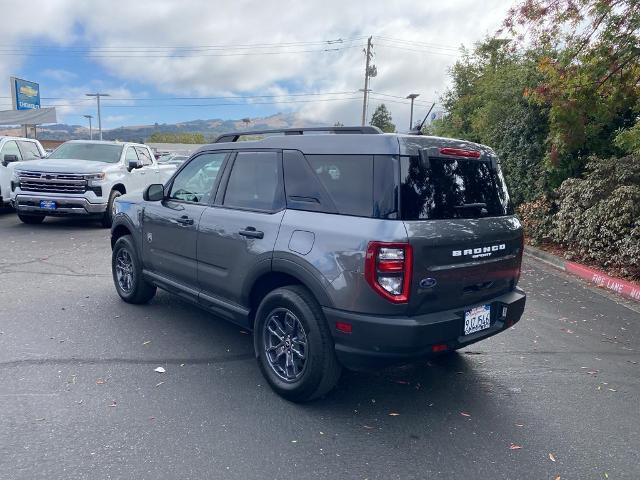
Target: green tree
{"type": "Point", "coordinates": [486, 104]}
{"type": "Point", "coordinates": [381, 118]}
{"type": "Point", "coordinates": [590, 70]}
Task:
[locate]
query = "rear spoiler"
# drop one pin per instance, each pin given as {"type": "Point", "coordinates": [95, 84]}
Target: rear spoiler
{"type": "Point", "coordinates": [458, 154]}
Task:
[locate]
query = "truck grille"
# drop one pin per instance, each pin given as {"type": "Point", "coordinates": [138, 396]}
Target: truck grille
{"type": "Point", "coordinates": [52, 182]}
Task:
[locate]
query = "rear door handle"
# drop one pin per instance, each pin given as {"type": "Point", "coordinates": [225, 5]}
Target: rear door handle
{"type": "Point", "coordinates": [184, 220]}
{"type": "Point", "coordinates": [251, 232]}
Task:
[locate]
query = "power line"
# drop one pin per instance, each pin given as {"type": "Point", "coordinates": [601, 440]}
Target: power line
{"type": "Point", "coordinates": [194, 55]}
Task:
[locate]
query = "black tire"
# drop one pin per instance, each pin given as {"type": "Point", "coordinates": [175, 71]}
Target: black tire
{"type": "Point", "coordinates": [31, 219]}
{"type": "Point", "coordinates": [107, 218]}
{"type": "Point", "coordinates": [320, 371]}
{"type": "Point", "coordinates": [138, 290]}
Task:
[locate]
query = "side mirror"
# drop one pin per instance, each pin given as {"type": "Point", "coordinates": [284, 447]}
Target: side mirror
{"type": "Point", "coordinates": [133, 164]}
{"type": "Point", "coordinates": [9, 158]}
{"type": "Point", "coordinates": [154, 192]}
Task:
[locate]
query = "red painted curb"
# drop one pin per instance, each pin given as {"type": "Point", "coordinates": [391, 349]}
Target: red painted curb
{"type": "Point", "coordinates": [622, 287]}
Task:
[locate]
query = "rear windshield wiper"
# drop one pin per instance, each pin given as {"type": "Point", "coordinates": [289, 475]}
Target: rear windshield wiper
{"type": "Point", "coordinates": [471, 205]}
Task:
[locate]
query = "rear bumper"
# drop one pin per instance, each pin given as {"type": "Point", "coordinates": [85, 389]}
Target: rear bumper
{"type": "Point", "coordinates": [377, 342]}
{"type": "Point", "coordinates": [66, 206]}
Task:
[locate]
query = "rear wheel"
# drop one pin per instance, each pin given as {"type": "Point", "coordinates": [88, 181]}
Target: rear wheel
{"type": "Point", "coordinates": [294, 345]}
{"type": "Point", "coordinates": [127, 273]}
{"type": "Point", "coordinates": [107, 218]}
{"type": "Point", "coordinates": [31, 219]}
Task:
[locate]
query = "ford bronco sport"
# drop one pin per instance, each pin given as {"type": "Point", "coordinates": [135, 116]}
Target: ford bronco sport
{"type": "Point", "coordinates": [336, 246]}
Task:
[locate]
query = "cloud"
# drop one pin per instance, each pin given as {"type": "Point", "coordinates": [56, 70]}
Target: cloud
{"type": "Point", "coordinates": [59, 75]}
{"type": "Point", "coordinates": [430, 32]}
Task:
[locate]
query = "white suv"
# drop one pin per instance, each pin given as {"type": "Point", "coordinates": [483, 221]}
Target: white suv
{"type": "Point", "coordinates": [84, 178]}
{"type": "Point", "coordinates": [12, 151]}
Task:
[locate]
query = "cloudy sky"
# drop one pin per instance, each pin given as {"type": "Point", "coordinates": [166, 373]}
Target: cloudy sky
{"type": "Point", "coordinates": [170, 61]}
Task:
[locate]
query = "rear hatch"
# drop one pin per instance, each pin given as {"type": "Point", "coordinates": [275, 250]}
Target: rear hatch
{"type": "Point", "coordinates": [467, 245]}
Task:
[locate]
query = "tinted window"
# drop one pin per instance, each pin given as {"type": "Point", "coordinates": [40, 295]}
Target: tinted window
{"type": "Point", "coordinates": [98, 152]}
{"type": "Point", "coordinates": [29, 150]}
{"type": "Point", "coordinates": [144, 156]}
{"type": "Point", "coordinates": [11, 148]}
{"type": "Point", "coordinates": [255, 182]}
{"type": "Point", "coordinates": [451, 188]}
{"type": "Point", "coordinates": [130, 156]}
{"type": "Point", "coordinates": [349, 181]}
{"type": "Point", "coordinates": [195, 181]}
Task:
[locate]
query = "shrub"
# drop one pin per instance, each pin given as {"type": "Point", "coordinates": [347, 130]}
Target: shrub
{"type": "Point", "coordinates": [598, 216]}
{"type": "Point", "coordinates": [537, 219]}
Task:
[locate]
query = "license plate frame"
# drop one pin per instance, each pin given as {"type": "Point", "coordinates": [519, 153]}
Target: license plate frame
{"type": "Point", "coordinates": [476, 319]}
{"type": "Point", "coordinates": [48, 205]}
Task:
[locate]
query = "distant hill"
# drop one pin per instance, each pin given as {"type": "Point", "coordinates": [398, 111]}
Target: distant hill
{"type": "Point", "coordinates": [209, 128]}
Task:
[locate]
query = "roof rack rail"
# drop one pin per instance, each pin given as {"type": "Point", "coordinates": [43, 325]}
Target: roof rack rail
{"type": "Point", "coordinates": [234, 136]}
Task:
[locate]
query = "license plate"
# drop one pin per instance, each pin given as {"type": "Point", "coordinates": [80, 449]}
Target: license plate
{"type": "Point", "coordinates": [477, 319]}
{"type": "Point", "coordinates": [48, 204]}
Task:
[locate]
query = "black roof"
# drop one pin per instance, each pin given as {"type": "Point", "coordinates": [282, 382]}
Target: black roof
{"type": "Point", "coordinates": [339, 140]}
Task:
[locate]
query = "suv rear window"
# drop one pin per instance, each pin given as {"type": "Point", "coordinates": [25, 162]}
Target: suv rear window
{"type": "Point", "coordinates": [451, 188]}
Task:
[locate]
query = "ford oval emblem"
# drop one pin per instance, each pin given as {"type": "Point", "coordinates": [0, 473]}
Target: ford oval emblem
{"type": "Point", "coordinates": [428, 282]}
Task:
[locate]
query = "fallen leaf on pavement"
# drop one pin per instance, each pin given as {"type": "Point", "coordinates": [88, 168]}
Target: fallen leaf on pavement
{"type": "Point", "coordinates": [159, 370]}
{"type": "Point", "coordinates": [465, 414]}
{"type": "Point", "coordinates": [513, 446]}
{"type": "Point", "coordinates": [557, 478]}
{"type": "Point", "coordinates": [552, 457]}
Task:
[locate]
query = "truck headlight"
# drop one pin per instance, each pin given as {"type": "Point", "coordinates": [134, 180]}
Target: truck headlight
{"type": "Point", "coordinates": [94, 178]}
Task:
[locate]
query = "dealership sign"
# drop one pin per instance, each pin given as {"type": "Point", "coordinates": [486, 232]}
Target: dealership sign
{"type": "Point", "coordinates": [25, 94]}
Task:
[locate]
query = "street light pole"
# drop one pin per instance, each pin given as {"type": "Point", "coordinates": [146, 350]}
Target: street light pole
{"type": "Point", "coordinates": [412, 96]}
{"type": "Point", "coordinates": [90, 130]}
{"type": "Point", "coordinates": [98, 95]}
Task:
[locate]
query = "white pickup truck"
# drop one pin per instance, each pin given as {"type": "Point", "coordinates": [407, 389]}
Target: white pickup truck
{"type": "Point", "coordinates": [84, 178]}
{"type": "Point", "coordinates": [14, 150]}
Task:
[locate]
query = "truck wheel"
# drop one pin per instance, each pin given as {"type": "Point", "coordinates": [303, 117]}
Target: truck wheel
{"type": "Point", "coordinates": [127, 273]}
{"type": "Point", "coordinates": [31, 219]}
{"type": "Point", "coordinates": [107, 218]}
{"type": "Point", "coordinates": [294, 346]}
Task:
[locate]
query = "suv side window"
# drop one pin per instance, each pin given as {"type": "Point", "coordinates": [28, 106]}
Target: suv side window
{"type": "Point", "coordinates": [11, 148]}
{"type": "Point", "coordinates": [143, 155]}
{"type": "Point", "coordinates": [255, 182]}
{"type": "Point", "coordinates": [29, 150]}
{"type": "Point", "coordinates": [349, 181]}
{"type": "Point", "coordinates": [130, 155]}
{"type": "Point", "coordinates": [194, 183]}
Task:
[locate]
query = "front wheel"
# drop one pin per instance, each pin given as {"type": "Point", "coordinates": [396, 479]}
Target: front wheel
{"type": "Point", "coordinates": [107, 218]}
{"type": "Point", "coordinates": [127, 273]}
{"type": "Point", "coordinates": [31, 219]}
{"type": "Point", "coordinates": [294, 346]}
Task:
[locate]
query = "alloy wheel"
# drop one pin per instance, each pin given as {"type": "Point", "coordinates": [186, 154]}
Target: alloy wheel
{"type": "Point", "coordinates": [124, 270]}
{"type": "Point", "coordinates": [285, 344]}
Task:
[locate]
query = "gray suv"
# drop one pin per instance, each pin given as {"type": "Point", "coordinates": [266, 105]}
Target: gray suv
{"type": "Point", "coordinates": [338, 247]}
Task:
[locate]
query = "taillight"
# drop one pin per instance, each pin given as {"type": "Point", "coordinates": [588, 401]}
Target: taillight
{"type": "Point", "coordinates": [460, 152]}
{"type": "Point", "coordinates": [388, 270]}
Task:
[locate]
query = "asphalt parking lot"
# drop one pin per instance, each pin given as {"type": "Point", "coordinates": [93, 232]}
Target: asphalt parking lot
{"type": "Point", "coordinates": [557, 396]}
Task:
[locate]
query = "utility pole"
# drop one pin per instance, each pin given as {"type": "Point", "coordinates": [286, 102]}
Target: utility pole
{"type": "Point", "coordinates": [98, 95]}
{"type": "Point", "coordinates": [370, 71]}
{"type": "Point", "coordinates": [90, 129]}
{"type": "Point", "coordinates": [412, 96]}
